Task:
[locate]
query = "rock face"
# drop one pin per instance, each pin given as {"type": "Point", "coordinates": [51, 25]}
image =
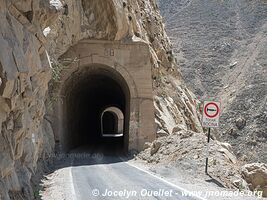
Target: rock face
{"type": "Point", "coordinates": [221, 48]}
{"type": "Point", "coordinates": [29, 28]}
{"type": "Point", "coordinates": [256, 176]}
{"type": "Point", "coordinates": [24, 74]}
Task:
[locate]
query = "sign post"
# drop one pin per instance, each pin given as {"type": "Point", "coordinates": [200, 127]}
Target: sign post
{"type": "Point", "coordinates": [207, 157]}
{"type": "Point", "coordinates": [210, 118]}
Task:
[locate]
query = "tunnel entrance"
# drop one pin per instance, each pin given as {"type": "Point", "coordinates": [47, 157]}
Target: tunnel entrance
{"type": "Point", "coordinates": [96, 110]}
{"type": "Point", "coordinates": [98, 75]}
{"type": "Point", "coordinates": [112, 122]}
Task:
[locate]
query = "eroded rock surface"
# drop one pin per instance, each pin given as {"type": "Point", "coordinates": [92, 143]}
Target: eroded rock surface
{"type": "Point", "coordinates": [256, 176]}
{"type": "Point", "coordinates": [24, 72]}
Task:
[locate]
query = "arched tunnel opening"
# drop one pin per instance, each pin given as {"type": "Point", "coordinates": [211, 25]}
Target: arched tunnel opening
{"type": "Point", "coordinates": [112, 122]}
{"type": "Point", "coordinates": [89, 123]}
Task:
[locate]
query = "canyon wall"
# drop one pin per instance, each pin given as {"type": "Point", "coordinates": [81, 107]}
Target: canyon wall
{"type": "Point", "coordinates": [221, 49]}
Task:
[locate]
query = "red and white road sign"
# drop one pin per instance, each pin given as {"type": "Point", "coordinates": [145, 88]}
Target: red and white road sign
{"type": "Point", "coordinates": [211, 114]}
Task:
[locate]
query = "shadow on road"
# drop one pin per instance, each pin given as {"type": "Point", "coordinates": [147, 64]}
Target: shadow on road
{"type": "Point", "coordinates": [104, 152]}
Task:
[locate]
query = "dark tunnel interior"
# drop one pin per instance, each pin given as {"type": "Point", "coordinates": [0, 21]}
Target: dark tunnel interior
{"type": "Point", "coordinates": [88, 95]}
{"type": "Point", "coordinates": [110, 123]}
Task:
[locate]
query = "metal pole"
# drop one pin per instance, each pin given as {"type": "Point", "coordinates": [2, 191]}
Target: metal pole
{"type": "Point", "coordinates": [207, 158]}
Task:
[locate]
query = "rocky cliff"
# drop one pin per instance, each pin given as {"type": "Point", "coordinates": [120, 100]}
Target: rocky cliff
{"type": "Point", "coordinates": [24, 74]}
{"type": "Point", "coordinates": [221, 49]}
{"type": "Point", "coordinates": [34, 33]}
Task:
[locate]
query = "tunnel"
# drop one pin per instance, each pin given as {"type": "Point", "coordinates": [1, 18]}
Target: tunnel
{"type": "Point", "coordinates": [112, 122]}
{"type": "Point", "coordinates": [96, 110]}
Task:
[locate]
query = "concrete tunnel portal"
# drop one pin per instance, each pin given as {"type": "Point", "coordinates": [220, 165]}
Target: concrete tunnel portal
{"type": "Point", "coordinates": [96, 110]}
{"type": "Point", "coordinates": [105, 97]}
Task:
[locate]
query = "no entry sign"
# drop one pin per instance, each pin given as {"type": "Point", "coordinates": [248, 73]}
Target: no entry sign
{"type": "Point", "coordinates": [211, 113]}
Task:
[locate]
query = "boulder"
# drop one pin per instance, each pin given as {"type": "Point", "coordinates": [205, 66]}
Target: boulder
{"type": "Point", "coordinates": [255, 175]}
